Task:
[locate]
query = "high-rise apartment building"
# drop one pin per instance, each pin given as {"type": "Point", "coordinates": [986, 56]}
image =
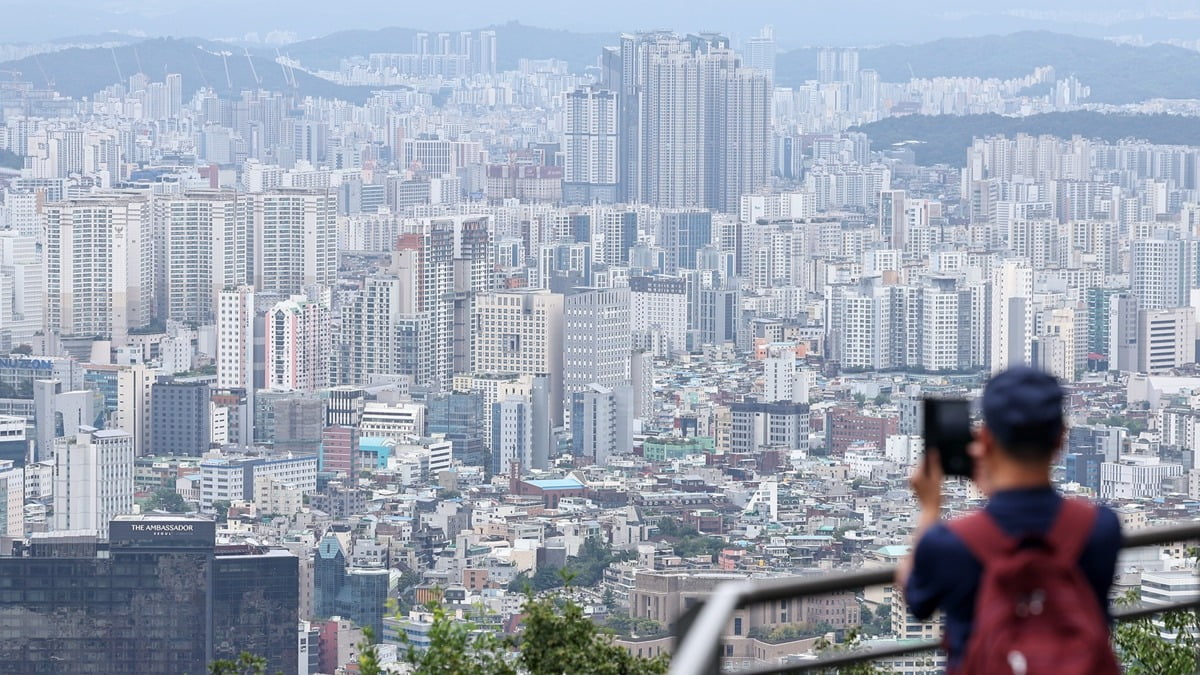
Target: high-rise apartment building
{"type": "Point", "coordinates": [93, 479]}
{"type": "Point", "coordinates": [590, 146]}
{"type": "Point", "coordinates": [694, 125]}
{"type": "Point", "coordinates": [294, 239]}
{"type": "Point", "coordinates": [1011, 315]}
{"type": "Point", "coordinates": [99, 266]}
{"type": "Point", "coordinates": [1158, 272]}
{"type": "Point", "coordinates": [298, 345]}
{"type": "Point", "coordinates": [202, 245]}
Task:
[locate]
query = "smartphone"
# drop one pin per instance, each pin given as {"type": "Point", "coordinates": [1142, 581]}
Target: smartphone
{"type": "Point", "coordinates": [948, 430]}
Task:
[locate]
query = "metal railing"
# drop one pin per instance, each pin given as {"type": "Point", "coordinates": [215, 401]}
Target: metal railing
{"type": "Point", "coordinates": [700, 630]}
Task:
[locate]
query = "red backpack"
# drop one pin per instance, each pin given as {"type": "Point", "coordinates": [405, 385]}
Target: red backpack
{"type": "Point", "coordinates": [1035, 612]}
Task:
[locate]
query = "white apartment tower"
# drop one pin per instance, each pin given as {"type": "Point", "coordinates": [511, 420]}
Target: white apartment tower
{"type": "Point", "coordinates": [12, 499]}
{"type": "Point", "coordinates": [99, 266]}
{"type": "Point", "coordinates": [294, 239]}
{"type": "Point", "coordinates": [22, 287]}
{"type": "Point", "coordinates": [783, 379]}
{"type": "Point", "coordinates": [203, 248]}
{"type": "Point", "coordinates": [1158, 272]}
{"type": "Point", "coordinates": [235, 339]}
{"type": "Point", "coordinates": [1012, 314]}
{"type": "Point", "coordinates": [589, 145]}
{"type": "Point", "coordinates": [93, 479]}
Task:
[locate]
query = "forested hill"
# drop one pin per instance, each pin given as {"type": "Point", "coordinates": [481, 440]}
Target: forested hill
{"type": "Point", "coordinates": [944, 139]}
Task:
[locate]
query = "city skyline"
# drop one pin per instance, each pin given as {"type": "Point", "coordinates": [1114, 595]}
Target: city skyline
{"type": "Point", "coordinates": [294, 344]}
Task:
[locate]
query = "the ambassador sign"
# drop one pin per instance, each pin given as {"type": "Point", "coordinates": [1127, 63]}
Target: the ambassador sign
{"type": "Point", "coordinates": [162, 529]}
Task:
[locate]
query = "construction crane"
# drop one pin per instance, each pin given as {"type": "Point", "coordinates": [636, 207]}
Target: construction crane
{"type": "Point", "coordinates": [252, 70]}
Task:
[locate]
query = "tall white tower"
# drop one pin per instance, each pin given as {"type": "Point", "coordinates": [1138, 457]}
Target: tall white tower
{"type": "Point", "coordinates": [1012, 314]}
{"type": "Point", "coordinates": [93, 479]}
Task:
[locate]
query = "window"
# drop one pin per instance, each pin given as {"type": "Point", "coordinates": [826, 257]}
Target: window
{"type": "Point", "coordinates": [737, 627]}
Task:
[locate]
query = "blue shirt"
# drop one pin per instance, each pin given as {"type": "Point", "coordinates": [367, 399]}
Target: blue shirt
{"type": "Point", "coordinates": [945, 575]}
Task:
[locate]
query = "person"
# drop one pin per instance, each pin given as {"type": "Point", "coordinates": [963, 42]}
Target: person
{"type": "Point", "coordinates": [1012, 452]}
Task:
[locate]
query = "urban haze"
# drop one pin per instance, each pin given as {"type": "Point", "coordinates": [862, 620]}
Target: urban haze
{"type": "Point", "coordinates": [326, 326]}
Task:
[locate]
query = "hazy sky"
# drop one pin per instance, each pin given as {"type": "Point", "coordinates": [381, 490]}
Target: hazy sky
{"type": "Point", "coordinates": [796, 21]}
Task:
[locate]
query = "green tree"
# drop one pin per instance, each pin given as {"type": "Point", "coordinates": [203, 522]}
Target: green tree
{"type": "Point", "coordinates": [1144, 649]}
{"type": "Point", "coordinates": [852, 643]}
{"type": "Point", "coordinates": [246, 664]}
{"type": "Point", "coordinates": [166, 499]}
{"type": "Point", "coordinates": [558, 639]}
{"type": "Point", "coordinates": [222, 508]}
{"type": "Point", "coordinates": [455, 648]}
{"type": "Point", "coordinates": [861, 399]}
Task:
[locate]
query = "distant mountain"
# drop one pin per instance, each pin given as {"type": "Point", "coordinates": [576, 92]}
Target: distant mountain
{"type": "Point", "coordinates": [514, 41]}
{"type": "Point", "coordinates": [944, 139]}
{"type": "Point", "coordinates": [1116, 73]}
{"type": "Point", "coordinates": [83, 72]}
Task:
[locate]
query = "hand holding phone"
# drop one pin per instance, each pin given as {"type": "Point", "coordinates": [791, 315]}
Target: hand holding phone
{"type": "Point", "coordinates": [948, 432]}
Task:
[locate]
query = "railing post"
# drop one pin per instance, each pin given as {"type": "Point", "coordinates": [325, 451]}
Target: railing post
{"type": "Point", "coordinates": [700, 649]}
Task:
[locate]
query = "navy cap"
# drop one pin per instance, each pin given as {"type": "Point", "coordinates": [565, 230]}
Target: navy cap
{"type": "Point", "coordinates": [1023, 405]}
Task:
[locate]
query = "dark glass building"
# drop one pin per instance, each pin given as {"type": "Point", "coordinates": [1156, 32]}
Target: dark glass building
{"type": "Point", "coordinates": [159, 597]}
{"type": "Point", "coordinates": [179, 418]}
{"type": "Point", "coordinates": [459, 415]}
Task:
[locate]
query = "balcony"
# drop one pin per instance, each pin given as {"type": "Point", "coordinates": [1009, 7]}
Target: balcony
{"type": "Point", "coordinates": [700, 630]}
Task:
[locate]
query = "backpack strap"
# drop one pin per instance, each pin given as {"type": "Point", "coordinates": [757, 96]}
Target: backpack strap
{"type": "Point", "coordinates": [1071, 530]}
{"type": "Point", "coordinates": [982, 536]}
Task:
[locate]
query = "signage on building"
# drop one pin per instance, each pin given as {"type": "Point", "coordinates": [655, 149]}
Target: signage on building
{"type": "Point", "coordinates": [35, 364]}
{"type": "Point", "coordinates": [183, 532]}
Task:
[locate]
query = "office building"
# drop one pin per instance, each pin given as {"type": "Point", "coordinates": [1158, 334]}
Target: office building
{"type": "Point", "coordinates": [1166, 339]}
{"type": "Point", "coordinates": [757, 425]}
{"type": "Point", "coordinates": [180, 418]}
{"type": "Point", "coordinates": [596, 338]}
{"type": "Point", "coordinates": [659, 314]}
{"type": "Point", "coordinates": [12, 499]}
{"type": "Point", "coordinates": [93, 479]}
{"type": "Point", "coordinates": [162, 599]}
{"type": "Point", "coordinates": [601, 423]}
{"type": "Point", "coordinates": [457, 416]}
{"type": "Point", "coordinates": [231, 477]}
{"type": "Point", "coordinates": [522, 332]}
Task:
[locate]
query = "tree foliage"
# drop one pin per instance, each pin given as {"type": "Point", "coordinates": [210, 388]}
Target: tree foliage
{"type": "Point", "coordinates": [166, 499]}
{"type": "Point", "coordinates": [944, 139]}
{"type": "Point", "coordinates": [852, 643]}
{"type": "Point", "coordinates": [455, 648]}
{"type": "Point", "coordinates": [1146, 649]}
{"type": "Point", "coordinates": [245, 664]}
{"type": "Point", "coordinates": [557, 638]}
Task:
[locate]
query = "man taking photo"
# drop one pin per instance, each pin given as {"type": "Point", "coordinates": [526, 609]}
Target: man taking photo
{"type": "Point", "coordinates": [1023, 583]}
